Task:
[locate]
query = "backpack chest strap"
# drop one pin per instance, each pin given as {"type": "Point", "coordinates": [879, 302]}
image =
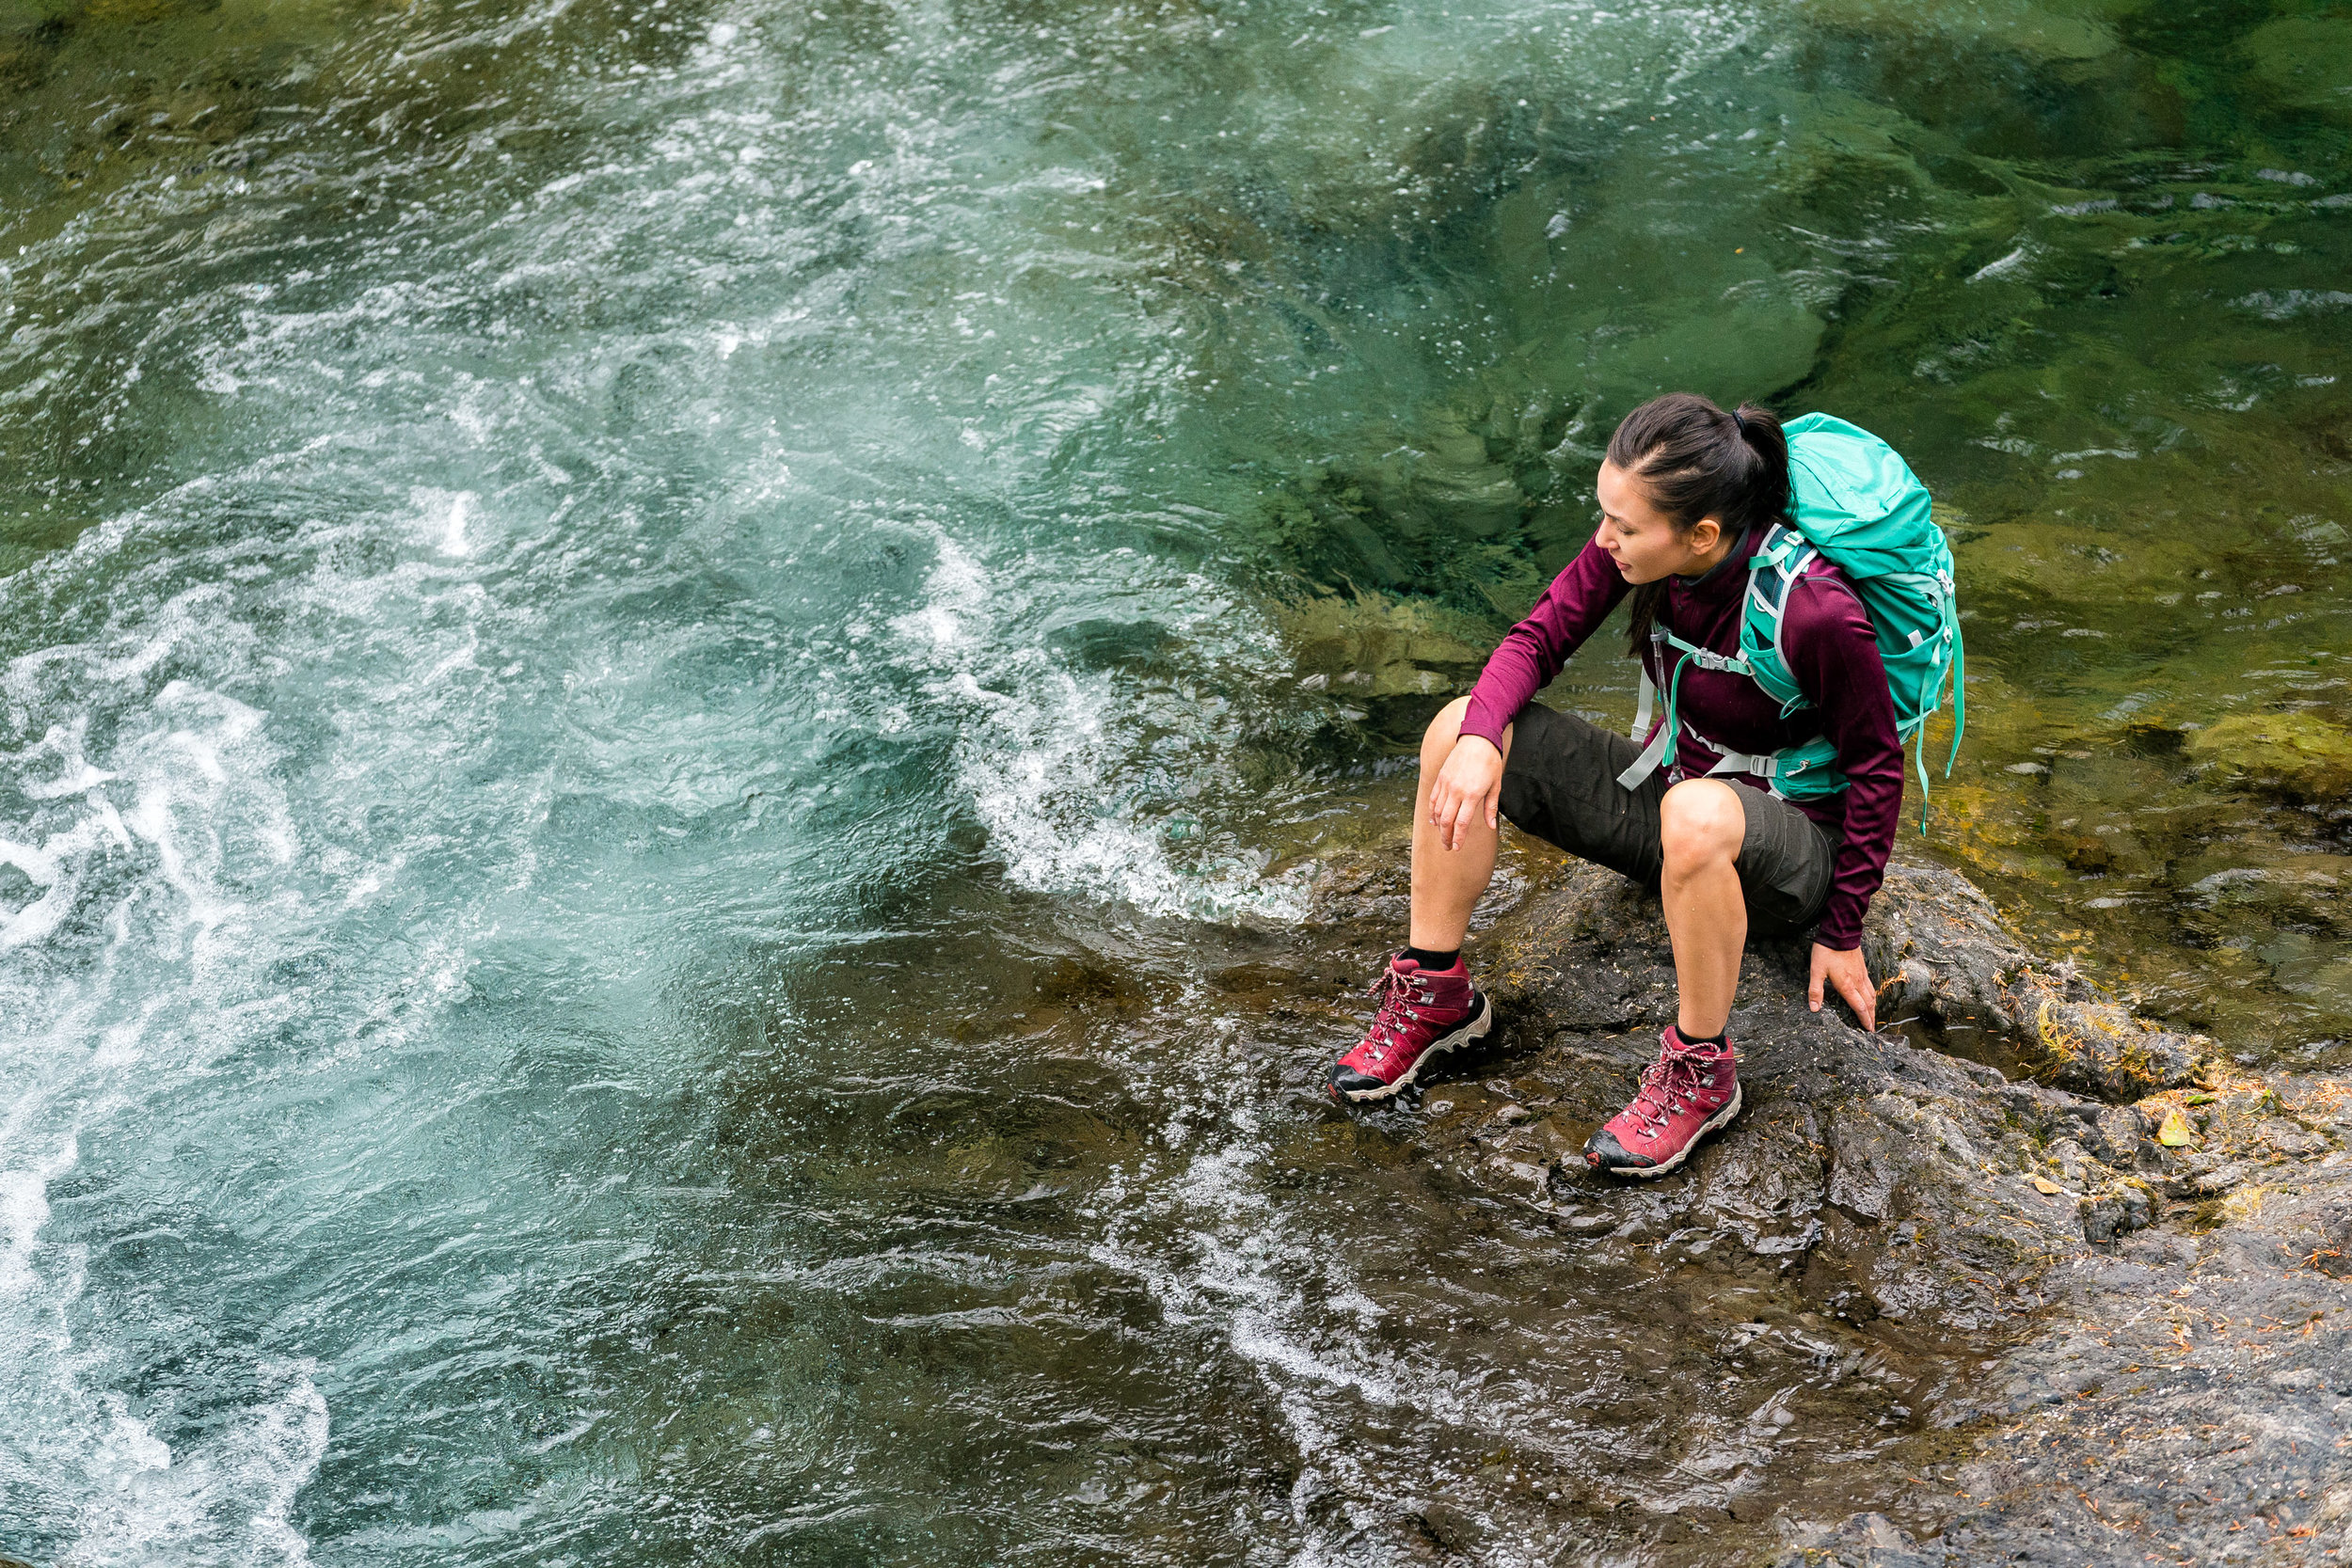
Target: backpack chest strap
{"type": "Point", "coordinates": [1663, 747]}
{"type": "Point", "coordinates": [1811, 760]}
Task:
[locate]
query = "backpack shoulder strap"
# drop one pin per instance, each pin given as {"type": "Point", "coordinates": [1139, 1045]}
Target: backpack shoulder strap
{"type": "Point", "coordinates": [1772, 573]}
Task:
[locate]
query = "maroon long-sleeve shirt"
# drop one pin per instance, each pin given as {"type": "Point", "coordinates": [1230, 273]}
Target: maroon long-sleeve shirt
{"type": "Point", "coordinates": [1832, 652]}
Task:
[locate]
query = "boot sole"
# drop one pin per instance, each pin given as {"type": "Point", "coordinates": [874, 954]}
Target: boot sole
{"type": "Point", "coordinates": [1473, 1028]}
{"type": "Point", "coordinates": [1712, 1124]}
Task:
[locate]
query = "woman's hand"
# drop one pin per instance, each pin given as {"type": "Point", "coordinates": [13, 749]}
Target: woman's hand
{"type": "Point", "coordinates": [1845, 969]}
{"type": "Point", "coordinates": [1468, 786]}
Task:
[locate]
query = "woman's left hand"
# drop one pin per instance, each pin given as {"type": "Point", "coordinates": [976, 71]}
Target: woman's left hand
{"type": "Point", "coordinates": [1844, 969]}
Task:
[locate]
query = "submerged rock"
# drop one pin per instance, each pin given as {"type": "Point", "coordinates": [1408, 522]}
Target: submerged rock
{"type": "Point", "coordinates": [2297, 754]}
{"type": "Point", "coordinates": [2304, 61]}
{"type": "Point", "coordinates": [1864, 1541]}
{"type": "Point", "coordinates": [1373, 647]}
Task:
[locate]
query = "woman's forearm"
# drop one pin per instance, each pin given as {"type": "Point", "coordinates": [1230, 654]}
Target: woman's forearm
{"type": "Point", "coordinates": [1532, 653]}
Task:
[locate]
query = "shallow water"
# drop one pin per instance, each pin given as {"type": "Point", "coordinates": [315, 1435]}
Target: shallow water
{"type": "Point", "coordinates": [651, 657]}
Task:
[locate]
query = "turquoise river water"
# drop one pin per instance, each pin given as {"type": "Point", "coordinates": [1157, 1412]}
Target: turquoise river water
{"type": "Point", "coordinates": [650, 653]}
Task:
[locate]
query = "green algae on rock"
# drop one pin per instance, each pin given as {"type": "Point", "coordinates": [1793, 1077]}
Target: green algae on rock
{"type": "Point", "coordinates": [2053, 30]}
{"type": "Point", "coordinates": [2306, 61]}
{"type": "Point", "coordinates": [2299, 756]}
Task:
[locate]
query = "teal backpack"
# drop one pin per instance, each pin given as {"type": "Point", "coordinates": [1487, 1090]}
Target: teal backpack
{"type": "Point", "coordinates": [1857, 503]}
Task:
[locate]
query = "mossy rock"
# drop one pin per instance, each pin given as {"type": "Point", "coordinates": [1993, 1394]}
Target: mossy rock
{"type": "Point", "coordinates": [2297, 754]}
{"type": "Point", "coordinates": [1374, 647]}
{"type": "Point", "coordinates": [2038, 29]}
{"type": "Point", "coordinates": [2305, 62]}
{"type": "Point", "coordinates": [2082, 571]}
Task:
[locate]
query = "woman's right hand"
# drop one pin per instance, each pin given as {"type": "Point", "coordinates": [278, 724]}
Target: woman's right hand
{"type": "Point", "coordinates": [1468, 786]}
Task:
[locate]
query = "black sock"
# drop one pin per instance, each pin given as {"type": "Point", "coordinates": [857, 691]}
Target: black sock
{"type": "Point", "coordinates": [1713, 1043]}
{"type": "Point", "coordinates": [1429, 960]}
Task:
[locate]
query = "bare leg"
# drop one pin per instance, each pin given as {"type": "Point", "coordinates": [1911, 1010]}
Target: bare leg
{"type": "Point", "coordinates": [1447, 884]}
{"type": "Point", "coordinates": [1701, 826]}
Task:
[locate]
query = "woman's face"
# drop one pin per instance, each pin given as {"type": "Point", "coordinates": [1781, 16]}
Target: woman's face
{"type": "Point", "coordinates": [1640, 539]}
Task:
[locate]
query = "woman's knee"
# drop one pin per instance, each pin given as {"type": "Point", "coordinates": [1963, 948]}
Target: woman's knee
{"type": "Point", "coordinates": [1700, 821]}
{"type": "Point", "coordinates": [1437, 741]}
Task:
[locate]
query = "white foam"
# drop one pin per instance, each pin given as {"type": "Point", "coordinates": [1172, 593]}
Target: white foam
{"type": "Point", "coordinates": [453, 529]}
{"type": "Point", "coordinates": [75, 775]}
{"type": "Point", "coordinates": [126, 976]}
{"type": "Point", "coordinates": [24, 1210]}
{"type": "Point", "coordinates": [226, 1501]}
{"type": "Point", "coordinates": [90, 1468]}
{"type": "Point", "coordinates": [1046, 755]}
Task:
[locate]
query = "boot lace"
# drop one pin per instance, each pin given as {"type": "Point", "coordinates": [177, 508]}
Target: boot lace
{"type": "Point", "coordinates": [1397, 994]}
{"type": "Point", "coordinates": [1669, 1083]}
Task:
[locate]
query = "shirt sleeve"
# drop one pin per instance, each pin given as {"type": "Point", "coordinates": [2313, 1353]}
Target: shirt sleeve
{"type": "Point", "coordinates": [1532, 653]}
{"type": "Point", "coordinates": [1833, 655]}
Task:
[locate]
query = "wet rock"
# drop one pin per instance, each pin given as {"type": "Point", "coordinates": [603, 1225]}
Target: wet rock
{"type": "Point", "coordinates": [1668, 1527]}
{"type": "Point", "coordinates": [1891, 1179]}
{"type": "Point", "coordinates": [2071, 1161]}
{"type": "Point", "coordinates": [2039, 1112]}
{"type": "Point", "coordinates": [2214, 1182]}
{"type": "Point", "coordinates": [1879, 1192]}
{"type": "Point", "coordinates": [1892, 1154]}
{"type": "Point", "coordinates": [2113, 1135]}
{"type": "Point", "coordinates": [1452, 1527]}
{"type": "Point", "coordinates": [2330, 1244]}
{"type": "Point", "coordinates": [1082, 981]}
{"type": "Point", "coordinates": [1373, 889]}
{"type": "Point", "coordinates": [2099, 1048]}
{"type": "Point", "coordinates": [1864, 1541]}
{"type": "Point", "coordinates": [2291, 1138]}
{"type": "Point", "coordinates": [2116, 1211]}
{"type": "Point", "coordinates": [2197, 1162]}
{"type": "Point", "coordinates": [1505, 1173]}
{"type": "Point", "coordinates": [1763, 1183]}
{"type": "Point", "coordinates": [1940, 950]}
{"type": "Point", "coordinates": [1955, 970]}
{"type": "Point", "coordinates": [1560, 1138]}
{"type": "Point", "coordinates": [2205, 1376]}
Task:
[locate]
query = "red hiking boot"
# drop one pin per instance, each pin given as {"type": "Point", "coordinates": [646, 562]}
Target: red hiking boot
{"type": "Point", "coordinates": [1422, 1016]}
{"type": "Point", "coordinates": [1687, 1093]}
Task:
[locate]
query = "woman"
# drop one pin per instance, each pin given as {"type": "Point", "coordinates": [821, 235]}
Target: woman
{"type": "Point", "coordinates": [1685, 494]}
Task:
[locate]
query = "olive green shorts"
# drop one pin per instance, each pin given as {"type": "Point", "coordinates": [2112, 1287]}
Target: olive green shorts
{"type": "Point", "coordinates": [1561, 785]}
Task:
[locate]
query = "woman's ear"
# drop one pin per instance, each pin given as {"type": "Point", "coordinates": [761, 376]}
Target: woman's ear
{"type": "Point", "coordinates": [1704, 536]}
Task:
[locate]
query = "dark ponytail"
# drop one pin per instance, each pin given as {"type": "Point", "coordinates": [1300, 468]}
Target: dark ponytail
{"type": "Point", "coordinates": [1693, 461]}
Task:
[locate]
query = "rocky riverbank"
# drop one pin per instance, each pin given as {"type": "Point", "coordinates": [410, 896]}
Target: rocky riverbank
{"type": "Point", "coordinates": [2086, 1279]}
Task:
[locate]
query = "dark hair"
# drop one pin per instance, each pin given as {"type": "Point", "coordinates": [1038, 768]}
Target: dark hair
{"type": "Point", "coordinates": [1694, 461]}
